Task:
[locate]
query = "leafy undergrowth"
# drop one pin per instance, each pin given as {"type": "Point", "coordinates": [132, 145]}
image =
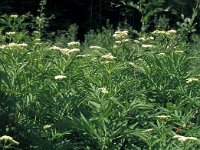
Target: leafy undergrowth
{"type": "Point", "coordinates": [109, 92]}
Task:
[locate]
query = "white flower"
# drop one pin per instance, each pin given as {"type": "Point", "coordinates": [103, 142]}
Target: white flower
{"type": "Point", "coordinates": [189, 80]}
{"type": "Point", "coordinates": [36, 32]}
{"type": "Point", "coordinates": [73, 44]}
{"type": "Point", "coordinates": [121, 32]}
{"type": "Point", "coordinates": [2, 46]}
{"type": "Point", "coordinates": [47, 126]}
{"type": "Point", "coordinates": [17, 45]}
{"type": "Point", "coordinates": [146, 38]}
{"type": "Point", "coordinates": [161, 54]}
{"type": "Point", "coordinates": [163, 117]}
{"type": "Point", "coordinates": [8, 138]}
{"type": "Point", "coordinates": [23, 45]}
{"type": "Point", "coordinates": [148, 46]}
{"type": "Point", "coordinates": [108, 56]}
{"type": "Point", "coordinates": [122, 41]}
{"type": "Point", "coordinates": [64, 51]}
{"type": "Point", "coordinates": [13, 16]}
{"type": "Point", "coordinates": [12, 44]}
{"type": "Point", "coordinates": [183, 138]}
{"type": "Point", "coordinates": [136, 41]}
{"type": "Point", "coordinates": [160, 32]}
{"type": "Point", "coordinates": [179, 51]}
{"type": "Point", "coordinates": [171, 31]}
{"type": "Point", "coordinates": [95, 47]}
{"type": "Point", "coordinates": [105, 62]}
{"type": "Point", "coordinates": [142, 39]}
{"type": "Point", "coordinates": [115, 46]}
{"type": "Point", "coordinates": [38, 43]}
{"type": "Point", "coordinates": [192, 138]}
{"type": "Point", "coordinates": [125, 40]}
{"type": "Point", "coordinates": [10, 33]}
{"type": "Point", "coordinates": [59, 77]}
{"type": "Point", "coordinates": [151, 38]}
{"type": "Point", "coordinates": [103, 90]}
{"type": "Point", "coordinates": [5, 137]}
{"type": "Point", "coordinates": [148, 130]}
{"type": "Point", "coordinates": [140, 59]}
{"type": "Point", "coordinates": [82, 56]}
{"type": "Point", "coordinates": [74, 50]}
{"type": "Point", "coordinates": [55, 48]}
{"type": "Point", "coordinates": [118, 42]}
{"type": "Point", "coordinates": [120, 35]}
{"type": "Point", "coordinates": [29, 53]}
{"type": "Point", "coordinates": [37, 40]}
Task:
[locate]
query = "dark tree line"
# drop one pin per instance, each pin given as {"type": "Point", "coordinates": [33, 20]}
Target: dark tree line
{"type": "Point", "coordinates": [90, 14]}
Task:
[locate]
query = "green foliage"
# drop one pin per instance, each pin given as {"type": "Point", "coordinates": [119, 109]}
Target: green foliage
{"type": "Point", "coordinates": [161, 11]}
{"type": "Point", "coordinates": [161, 22]}
{"type": "Point", "coordinates": [188, 25]}
{"type": "Point", "coordinates": [42, 21]}
{"type": "Point", "coordinates": [67, 36]}
{"type": "Point", "coordinates": [146, 9]}
{"type": "Point", "coordinates": [111, 91]}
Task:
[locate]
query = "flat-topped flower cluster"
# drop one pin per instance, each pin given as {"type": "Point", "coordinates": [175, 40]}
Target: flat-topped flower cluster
{"type": "Point", "coordinates": [15, 45]}
{"type": "Point", "coordinates": [67, 51]}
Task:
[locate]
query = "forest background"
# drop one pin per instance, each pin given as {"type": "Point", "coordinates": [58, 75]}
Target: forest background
{"type": "Point", "coordinates": [92, 14]}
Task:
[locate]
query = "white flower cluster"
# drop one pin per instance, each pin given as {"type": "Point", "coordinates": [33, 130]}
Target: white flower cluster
{"type": "Point", "coordinates": [47, 126]}
{"type": "Point", "coordinates": [73, 50]}
{"type": "Point", "coordinates": [14, 16]}
{"type": "Point", "coordinates": [10, 33]}
{"type": "Point", "coordinates": [55, 48]}
{"type": "Point", "coordinates": [11, 45]}
{"type": "Point", "coordinates": [95, 47]}
{"type": "Point", "coordinates": [161, 32]}
{"type": "Point", "coordinates": [82, 56]}
{"type": "Point", "coordinates": [2, 46]}
{"type": "Point", "coordinates": [136, 41]}
{"type": "Point", "coordinates": [38, 41]}
{"type": "Point", "coordinates": [121, 36]}
{"type": "Point", "coordinates": [122, 41]}
{"type": "Point", "coordinates": [163, 117]}
{"type": "Point", "coordinates": [73, 44]}
{"type": "Point", "coordinates": [59, 77]}
{"type": "Point", "coordinates": [9, 139]}
{"type": "Point", "coordinates": [146, 38]}
{"type": "Point", "coordinates": [65, 51]}
{"type": "Point", "coordinates": [183, 138]}
{"type": "Point", "coordinates": [108, 56]}
{"type": "Point", "coordinates": [17, 45]}
{"type": "Point", "coordinates": [148, 46]}
{"type": "Point", "coordinates": [179, 52]}
{"type": "Point", "coordinates": [36, 32]}
{"type": "Point", "coordinates": [161, 54]}
{"type": "Point", "coordinates": [103, 90]}
{"type": "Point", "coordinates": [189, 80]}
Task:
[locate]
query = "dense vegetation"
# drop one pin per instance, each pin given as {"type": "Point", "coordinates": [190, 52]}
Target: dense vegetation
{"type": "Point", "coordinates": [92, 14]}
{"type": "Point", "coordinates": [119, 89]}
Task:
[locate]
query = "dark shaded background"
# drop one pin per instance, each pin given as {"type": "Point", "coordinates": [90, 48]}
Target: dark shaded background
{"type": "Point", "coordinates": [91, 14]}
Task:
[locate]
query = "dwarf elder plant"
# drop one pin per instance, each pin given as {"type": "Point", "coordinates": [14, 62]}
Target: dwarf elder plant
{"type": "Point", "coordinates": [109, 92]}
{"type": "Point", "coordinates": [134, 94]}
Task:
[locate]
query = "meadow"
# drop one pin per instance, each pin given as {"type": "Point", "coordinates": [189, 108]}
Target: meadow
{"type": "Point", "coordinates": [119, 89]}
